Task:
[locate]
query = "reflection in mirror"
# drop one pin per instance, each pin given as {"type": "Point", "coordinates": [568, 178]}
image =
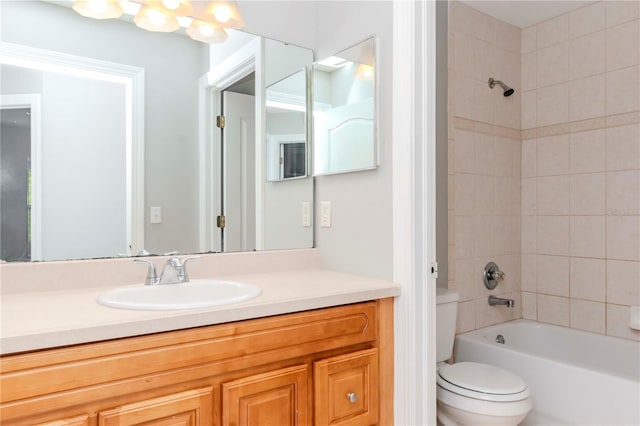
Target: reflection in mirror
{"type": "Point", "coordinates": [119, 167]}
{"type": "Point", "coordinates": [344, 111]}
{"type": "Point", "coordinates": [286, 125]}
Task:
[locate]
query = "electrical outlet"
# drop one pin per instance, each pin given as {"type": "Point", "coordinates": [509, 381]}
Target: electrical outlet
{"type": "Point", "coordinates": [156, 215]}
{"type": "Point", "coordinates": [306, 214]}
{"type": "Point", "coordinates": [325, 214]}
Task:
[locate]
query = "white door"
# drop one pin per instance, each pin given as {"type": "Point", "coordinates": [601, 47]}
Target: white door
{"type": "Point", "coordinates": [238, 172]}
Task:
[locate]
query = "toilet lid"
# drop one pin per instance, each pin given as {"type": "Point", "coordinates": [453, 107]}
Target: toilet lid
{"type": "Point", "coordinates": [482, 381]}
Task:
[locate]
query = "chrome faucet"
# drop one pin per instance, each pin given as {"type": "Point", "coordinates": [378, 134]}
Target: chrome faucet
{"type": "Point", "coordinates": [174, 271]}
{"type": "Point", "coordinates": [509, 303]}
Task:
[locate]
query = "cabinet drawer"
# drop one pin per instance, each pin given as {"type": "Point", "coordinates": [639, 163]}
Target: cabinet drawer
{"type": "Point", "coordinates": [192, 408]}
{"type": "Point", "coordinates": [346, 389]}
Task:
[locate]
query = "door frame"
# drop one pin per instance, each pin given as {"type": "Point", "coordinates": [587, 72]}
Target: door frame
{"type": "Point", "coordinates": [242, 63]}
{"type": "Point", "coordinates": [133, 80]}
{"type": "Point", "coordinates": [33, 102]}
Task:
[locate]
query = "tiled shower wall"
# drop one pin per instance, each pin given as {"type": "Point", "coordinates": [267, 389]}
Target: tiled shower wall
{"type": "Point", "coordinates": [547, 182]}
{"type": "Point", "coordinates": [484, 163]}
{"type": "Point", "coordinates": [581, 168]}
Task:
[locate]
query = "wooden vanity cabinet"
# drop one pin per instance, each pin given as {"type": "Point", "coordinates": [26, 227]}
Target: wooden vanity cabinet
{"type": "Point", "coordinates": [331, 366]}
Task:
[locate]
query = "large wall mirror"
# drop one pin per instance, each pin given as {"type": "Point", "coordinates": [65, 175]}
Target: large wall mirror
{"type": "Point", "coordinates": [109, 142]}
{"type": "Point", "coordinates": [344, 111]}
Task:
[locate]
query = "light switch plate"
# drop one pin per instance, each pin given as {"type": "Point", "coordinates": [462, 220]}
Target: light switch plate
{"type": "Point", "coordinates": [156, 215]}
{"type": "Point", "coordinates": [325, 214]}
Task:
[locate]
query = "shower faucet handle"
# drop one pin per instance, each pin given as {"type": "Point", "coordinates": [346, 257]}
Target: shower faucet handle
{"type": "Point", "coordinates": [492, 275]}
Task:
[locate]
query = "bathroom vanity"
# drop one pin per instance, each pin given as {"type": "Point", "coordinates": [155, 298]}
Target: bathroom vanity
{"type": "Point", "coordinates": [316, 347]}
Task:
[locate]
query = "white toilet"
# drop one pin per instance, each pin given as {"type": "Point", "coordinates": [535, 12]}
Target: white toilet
{"type": "Point", "coordinates": [471, 393]}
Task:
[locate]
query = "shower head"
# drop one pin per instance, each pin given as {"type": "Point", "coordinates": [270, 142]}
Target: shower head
{"type": "Point", "coordinates": [507, 91]}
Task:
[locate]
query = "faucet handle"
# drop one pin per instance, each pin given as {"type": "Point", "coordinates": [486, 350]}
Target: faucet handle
{"type": "Point", "coordinates": [183, 263]}
{"type": "Point", "coordinates": [152, 276]}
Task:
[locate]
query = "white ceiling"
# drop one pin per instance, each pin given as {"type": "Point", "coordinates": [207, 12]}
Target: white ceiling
{"type": "Point", "coordinates": [527, 12]}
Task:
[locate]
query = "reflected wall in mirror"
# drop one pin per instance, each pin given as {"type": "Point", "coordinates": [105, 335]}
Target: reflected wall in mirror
{"type": "Point", "coordinates": [94, 196]}
{"type": "Point", "coordinates": [286, 122]}
{"type": "Point", "coordinates": [344, 111]}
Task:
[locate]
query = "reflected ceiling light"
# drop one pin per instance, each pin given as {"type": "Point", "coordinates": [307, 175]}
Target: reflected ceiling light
{"type": "Point", "coordinates": [205, 32]}
{"type": "Point", "coordinates": [223, 14]}
{"type": "Point", "coordinates": [152, 19]}
{"type": "Point", "coordinates": [173, 7]}
{"type": "Point", "coordinates": [333, 62]}
{"type": "Point", "coordinates": [98, 9]}
{"type": "Point", "coordinates": [364, 72]}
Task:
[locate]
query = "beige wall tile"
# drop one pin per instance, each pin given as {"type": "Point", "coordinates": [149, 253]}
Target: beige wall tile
{"type": "Point", "coordinates": [623, 45]}
{"type": "Point", "coordinates": [553, 195]}
{"type": "Point", "coordinates": [465, 194]}
{"type": "Point", "coordinates": [485, 58]}
{"type": "Point", "coordinates": [553, 309]}
{"type": "Point", "coordinates": [529, 115]}
{"type": "Point", "coordinates": [466, 320]}
{"type": "Point", "coordinates": [529, 273]}
{"type": "Point", "coordinates": [623, 147]}
{"type": "Point", "coordinates": [485, 236]}
{"type": "Point", "coordinates": [618, 322]}
{"type": "Point", "coordinates": [528, 39]}
{"type": "Point", "coordinates": [586, 20]}
{"type": "Point", "coordinates": [508, 37]}
{"type": "Point", "coordinates": [623, 282]}
{"type": "Point", "coordinates": [587, 98]}
{"type": "Point", "coordinates": [553, 65]}
{"type": "Point", "coordinates": [463, 54]}
{"type": "Point", "coordinates": [529, 234]}
{"type": "Point", "coordinates": [588, 234]}
{"type": "Point", "coordinates": [465, 236]}
{"type": "Point", "coordinates": [552, 155]}
{"type": "Point", "coordinates": [587, 279]}
{"type": "Point", "coordinates": [485, 154]}
{"type": "Point", "coordinates": [623, 192]}
{"type": "Point", "coordinates": [623, 90]}
{"type": "Point", "coordinates": [488, 315]}
{"type": "Point", "coordinates": [587, 55]}
{"type": "Point", "coordinates": [553, 235]}
{"type": "Point", "coordinates": [503, 158]}
{"type": "Point", "coordinates": [529, 79]}
{"type": "Point", "coordinates": [468, 279]}
{"type": "Point", "coordinates": [552, 104]}
{"type": "Point", "coordinates": [553, 275]}
{"type": "Point", "coordinates": [618, 12]}
{"type": "Point", "coordinates": [589, 316]}
{"type": "Point", "coordinates": [508, 110]}
{"type": "Point", "coordinates": [507, 196]}
{"type": "Point", "coordinates": [529, 306]}
{"type": "Point", "coordinates": [553, 31]}
{"type": "Point", "coordinates": [485, 195]}
{"type": "Point", "coordinates": [463, 95]}
{"type": "Point", "coordinates": [529, 154]}
{"type": "Point", "coordinates": [465, 151]}
{"type": "Point", "coordinates": [529, 200]}
{"type": "Point", "coordinates": [587, 151]}
{"type": "Point", "coordinates": [623, 237]}
{"type": "Point", "coordinates": [484, 102]}
{"type": "Point", "coordinates": [588, 194]}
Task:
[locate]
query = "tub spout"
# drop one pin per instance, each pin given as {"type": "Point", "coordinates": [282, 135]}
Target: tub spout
{"type": "Point", "coordinates": [509, 303]}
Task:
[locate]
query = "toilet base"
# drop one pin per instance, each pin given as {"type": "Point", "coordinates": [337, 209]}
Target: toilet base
{"type": "Point", "coordinates": [451, 416]}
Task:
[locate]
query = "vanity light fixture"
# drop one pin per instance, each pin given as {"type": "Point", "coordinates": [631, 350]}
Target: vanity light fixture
{"type": "Point", "coordinates": [224, 14]}
{"type": "Point", "coordinates": [205, 32]}
{"type": "Point", "coordinates": [169, 15]}
{"type": "Point", "coordinates": [152, 19]}
{"type": "Point", "coordinates": [98, 9]}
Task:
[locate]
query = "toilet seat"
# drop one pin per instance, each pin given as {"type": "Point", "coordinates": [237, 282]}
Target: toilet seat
{"type": "Point", "coordinates": [482, 381]}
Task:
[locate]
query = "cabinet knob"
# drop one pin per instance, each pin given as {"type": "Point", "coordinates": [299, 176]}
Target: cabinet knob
{"type": "Point", "coordinates": [352, 396]}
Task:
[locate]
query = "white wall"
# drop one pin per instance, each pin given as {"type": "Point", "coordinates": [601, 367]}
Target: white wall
{"type": "Point", "coordinates": [360, 238]}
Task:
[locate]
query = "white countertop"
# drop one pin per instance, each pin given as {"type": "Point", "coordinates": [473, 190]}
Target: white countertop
{"type": "Point", "coordinates": [39, 320]}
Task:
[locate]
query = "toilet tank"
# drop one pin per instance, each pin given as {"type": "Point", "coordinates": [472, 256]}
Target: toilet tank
{"type": "Point", "coordinates": [446, 312]}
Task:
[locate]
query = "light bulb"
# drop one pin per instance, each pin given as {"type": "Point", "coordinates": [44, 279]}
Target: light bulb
{"type": "Point", "coordinates": [171, 4]}
{"type": "Point", "coordinates": [97, 6]}
{"type": "Point", "coordinates": [205, 30]}
{"type": "Point", "coordinates": [156, 18]}
{"type": "Point", "coordinates": [222, 13]}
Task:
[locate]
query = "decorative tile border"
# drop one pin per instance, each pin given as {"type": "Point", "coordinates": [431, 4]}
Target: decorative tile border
{"type": "Point", "coordinates": [489, 129]}
{"type": "Point", "coordinates": [546, 131]}
{"type": "Point", "coordinates": [582, 125]}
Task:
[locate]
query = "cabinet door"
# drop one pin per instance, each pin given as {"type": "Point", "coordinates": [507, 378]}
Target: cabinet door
{"type": "Point", "coordinates": [82, 420]}
{"type": "Point", "coordinates": [276, 398]}
{"type": "Point", "coordinates": [346, 389]}
{"type": "Point", "coordinates": [193, 408]}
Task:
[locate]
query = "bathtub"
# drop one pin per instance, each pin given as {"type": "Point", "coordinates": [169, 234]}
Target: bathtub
{"type": "Point", "coordinates": [575, 377]}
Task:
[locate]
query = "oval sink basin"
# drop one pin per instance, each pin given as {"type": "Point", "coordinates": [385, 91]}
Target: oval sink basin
{"type": "Point", "coordinates": [191, 295]}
